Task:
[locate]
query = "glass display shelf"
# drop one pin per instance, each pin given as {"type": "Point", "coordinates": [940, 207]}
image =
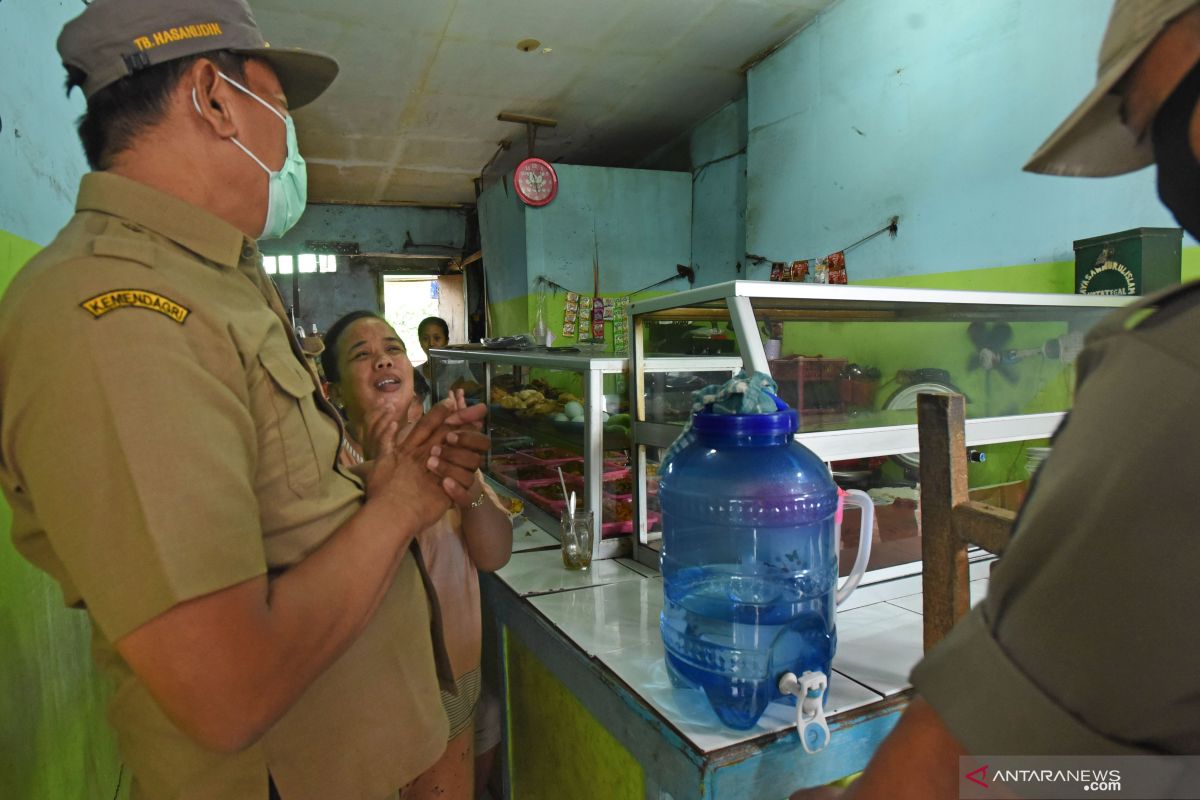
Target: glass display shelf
{"type": "Point", "coordinates": [852, 360]}
{"type": "Point", "coordinates": [550, 411]}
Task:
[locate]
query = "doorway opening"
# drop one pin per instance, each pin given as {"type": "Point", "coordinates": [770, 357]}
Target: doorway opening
{"type": "Point", "coordinates": [408, 299]}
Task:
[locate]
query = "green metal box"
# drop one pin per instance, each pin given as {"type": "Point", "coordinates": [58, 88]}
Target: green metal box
{"type": "Point", "coordinates": [1137, 262]}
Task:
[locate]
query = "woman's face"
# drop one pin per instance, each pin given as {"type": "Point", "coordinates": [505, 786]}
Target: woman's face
{"type": "Point", "coordinates": [375, 370]}
{"type": "Point", "coordinates": [431, 336]}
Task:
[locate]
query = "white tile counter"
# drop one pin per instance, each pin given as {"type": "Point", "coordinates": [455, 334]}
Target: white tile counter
{"type": "Point", "coordinates": [595, 634]}
{"type": "Point", "coordinates": [611, 612]}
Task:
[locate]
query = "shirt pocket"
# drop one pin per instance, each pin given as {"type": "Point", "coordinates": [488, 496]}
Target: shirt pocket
{"type": "Point", "coordinates": [293, 405]}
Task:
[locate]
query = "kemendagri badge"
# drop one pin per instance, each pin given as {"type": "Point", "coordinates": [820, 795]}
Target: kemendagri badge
{"type": "Point", "coordinates": [102, 304]}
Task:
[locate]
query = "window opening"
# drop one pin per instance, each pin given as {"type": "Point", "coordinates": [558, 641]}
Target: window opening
{"type": "Point", "coordinates": [305, 263]}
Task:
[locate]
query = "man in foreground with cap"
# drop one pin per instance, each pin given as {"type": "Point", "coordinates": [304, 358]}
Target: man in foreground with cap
{"type": "Point", "coordinates": [1080, 647]}
{"type": "Point", "coordinates": [168, 461]}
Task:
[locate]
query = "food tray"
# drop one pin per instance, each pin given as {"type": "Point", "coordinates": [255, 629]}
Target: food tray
{"type": "Point", "coordinates": [549, 504]}
{"type": "Point", "coordinates": [548, 456]}
{"type": "Point", "coordinates": [612, 492]}
{"type": "Point", "coordinates": [507, 460]}
{"type": "Point", "coordinates": [610, 474]}
{"type": "Point", "coordinates": [517, 476]}
{"type": "Point", "coordinates": [527, 486]}
{"type": "Point", "coordinates": [621, 528]}
{"type": "Point", "coordinates": [575, 468]}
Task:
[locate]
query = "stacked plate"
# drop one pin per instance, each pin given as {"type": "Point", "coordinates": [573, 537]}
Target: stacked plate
{"type": "Point", "coordinates": [1034, 456]}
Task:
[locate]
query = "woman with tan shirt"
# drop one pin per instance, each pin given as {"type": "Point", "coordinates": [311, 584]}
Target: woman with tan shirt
{"type": "Point", "coordinates": [368, 371]}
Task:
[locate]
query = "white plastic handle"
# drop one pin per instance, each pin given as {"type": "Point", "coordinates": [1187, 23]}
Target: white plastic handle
{"type": "Point", "coordinates": [861, 499]}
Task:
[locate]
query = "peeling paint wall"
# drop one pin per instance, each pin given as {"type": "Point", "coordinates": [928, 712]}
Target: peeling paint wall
{"type": "Point", "coordinates": [377, 229]}
{"type": "Point", "coordinates": [717, 151]}
{"type": "Point", "coordinates": [54, 741]}
{"type": "Point", "coordinates": [41, 160]}
{"type": "Point", "coordinates": [714, 152]}
{"type": "Point", "coordinates": [928, 109]}
{"type": "Point", "coordinates": [502, 233]}
{"type": "Point", "coordinates": [637, 223]}
{"type": "Point", "coordinates": [324, 297]}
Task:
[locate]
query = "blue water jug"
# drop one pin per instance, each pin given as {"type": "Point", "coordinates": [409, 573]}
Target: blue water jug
{"type": "Point", "coordinates": [750, 563]}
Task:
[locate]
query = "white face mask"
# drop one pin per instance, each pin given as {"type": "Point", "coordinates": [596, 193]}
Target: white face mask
{"type": "Point", "coordinates": [287, 187]}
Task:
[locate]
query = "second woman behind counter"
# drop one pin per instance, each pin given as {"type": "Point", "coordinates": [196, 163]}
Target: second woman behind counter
{"type": "Point", "coordinates": [367, 367]}
{"type": "Point", "coordinates": [434, 332]}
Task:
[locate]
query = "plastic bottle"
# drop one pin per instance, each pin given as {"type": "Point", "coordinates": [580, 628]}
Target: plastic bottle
{"type": "Point", "coordinates": [749, 560]}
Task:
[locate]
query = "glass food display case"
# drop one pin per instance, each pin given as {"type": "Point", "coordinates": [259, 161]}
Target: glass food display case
{"type": "Point", "coordinates": [852, 360]}
{"type": "Point", "coordinates": [551, 411]}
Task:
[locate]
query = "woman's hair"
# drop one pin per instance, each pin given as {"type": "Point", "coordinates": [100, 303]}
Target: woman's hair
{"type": "Point", "coordinates": [420, 385]}
{"type": "Point", "coordinates": [329, 358]}
{"type": "Point", "coordinates": [441, 323]}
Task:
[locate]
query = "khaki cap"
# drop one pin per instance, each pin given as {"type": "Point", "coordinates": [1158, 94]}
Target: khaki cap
{"type": "Point", "coordinates": [1093, 140]}
{"type": "Point", "coordinates": [115, 38]}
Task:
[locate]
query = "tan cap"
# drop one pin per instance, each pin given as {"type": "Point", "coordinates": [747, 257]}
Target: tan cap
{"type": "Point", "coordinates": [1093, 140]}
{"type": "Point", "coordinates": [115, 38]}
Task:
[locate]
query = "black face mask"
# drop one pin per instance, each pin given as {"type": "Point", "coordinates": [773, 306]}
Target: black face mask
{"type": "Point", "coordinates": [1178, 167]}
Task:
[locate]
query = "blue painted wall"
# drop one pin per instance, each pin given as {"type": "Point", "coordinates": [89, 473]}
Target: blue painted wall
{"type": "Point", "coordinates": [377, 229]}
{"type": "Point", "coordinates": [714, 153]}
{"type": "Point", "coordinates": [928, 109]}
{"type": "Point", "coordinates": [324, 297]}
{"type": "Point", "coordinates": [637, 222]}
{"type": "Point", "coordinates": [327, 296]}
{"type": "Point", "coordinates": [717, 152]}
{"type": "Point", "coordinates": [41, 160]}
{"type": "Point", "coordinates": [502, 233]}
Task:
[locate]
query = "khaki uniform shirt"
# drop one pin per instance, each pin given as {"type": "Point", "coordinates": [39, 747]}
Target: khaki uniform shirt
{"type": "Point", "coordinates": [1085, 643]}
{"type": "Point", "coordinates": [160, 440]}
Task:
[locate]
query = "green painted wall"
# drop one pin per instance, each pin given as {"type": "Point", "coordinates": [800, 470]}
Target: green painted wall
{"type": "Point", "coordinates": [14, 252]}
{"type": "Point", "coordinates": [546, 726]}
{"type": "Point", "coordinates": [510, 317]}
{"type": "Point", "coordinates": [1005, 462]}
{"type": "Point", "coordinates": [1053, 277]}
{"type": "Point", "coordinates": [54, 741]}
{"type": "Point", "coordinates": [1044, 385]}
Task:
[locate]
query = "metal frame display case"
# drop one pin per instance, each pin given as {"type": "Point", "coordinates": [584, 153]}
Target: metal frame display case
{"type": "Point", "coordinates": [1011, 354]}
{"type": "Point", "coordinates": [521, 434]}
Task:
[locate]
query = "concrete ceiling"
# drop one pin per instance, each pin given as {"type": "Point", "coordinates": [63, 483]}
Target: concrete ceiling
{"type": "Point", "coordinates": [412, 116]}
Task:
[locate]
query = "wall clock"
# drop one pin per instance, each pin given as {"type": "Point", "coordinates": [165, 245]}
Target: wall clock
{"type": "Point", "coordinates": [535, 181]}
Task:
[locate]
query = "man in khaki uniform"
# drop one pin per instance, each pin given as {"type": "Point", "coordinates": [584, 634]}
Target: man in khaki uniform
{"type": "Point", "coordinates": [1083, 645]}
{"type": "Point", "coordinates": [168, 461]}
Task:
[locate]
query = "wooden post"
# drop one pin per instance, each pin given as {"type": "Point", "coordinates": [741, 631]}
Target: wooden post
{"type": "Point", "coordinates": [940, 423]}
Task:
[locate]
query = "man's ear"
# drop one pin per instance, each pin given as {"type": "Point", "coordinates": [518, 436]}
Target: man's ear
{"type": "Point", "coordinates": [210, 97]}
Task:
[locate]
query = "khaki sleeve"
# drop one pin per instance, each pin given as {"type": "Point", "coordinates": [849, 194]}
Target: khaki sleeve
{"type": "Point", "coordinates": [137, 452]}
{"type": "Point", "coordinates": [992, 706]}
{"type": "Point", "coordinates": [1082, 643]}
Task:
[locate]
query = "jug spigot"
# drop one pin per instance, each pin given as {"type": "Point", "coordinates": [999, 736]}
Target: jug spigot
{"type": "Point", "coordinates": [809, 691]}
